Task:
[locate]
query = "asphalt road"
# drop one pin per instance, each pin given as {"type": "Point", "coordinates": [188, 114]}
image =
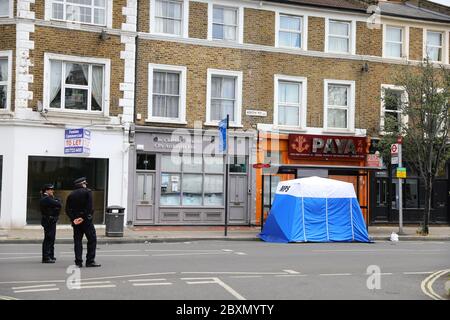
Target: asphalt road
{"type": "Point", "coordinates": [231, 270]}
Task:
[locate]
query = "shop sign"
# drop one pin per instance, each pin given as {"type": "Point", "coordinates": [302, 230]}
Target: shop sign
{"type": "Point", "coordinates": [373, 160]}
{"type": "Point", "coordinates": [315, 146]}
{"type": "Point", "coordinates": [77, 141]}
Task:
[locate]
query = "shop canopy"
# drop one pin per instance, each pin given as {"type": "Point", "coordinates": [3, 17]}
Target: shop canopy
{"type": "Point", "coordinates": [315, 210]}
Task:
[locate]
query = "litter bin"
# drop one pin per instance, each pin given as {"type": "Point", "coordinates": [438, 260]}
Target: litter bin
{"type": "Point", "coordinates": [114, 221]}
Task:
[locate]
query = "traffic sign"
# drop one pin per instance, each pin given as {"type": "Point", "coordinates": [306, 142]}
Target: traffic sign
{"type": "Point", "coordinates": [401, 173]}
{"type": "Point", "coordinates": [394, 149]}
{"type": "Point", "coordinates": [394, 160]}
{"type": "Point", "coordinates": [400, 139]}
{"type": "Point", "coordinates": [261, 165]}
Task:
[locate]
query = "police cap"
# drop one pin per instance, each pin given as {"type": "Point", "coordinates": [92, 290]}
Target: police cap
{"type": "Point", "coordinates": [79, 180]}
{"type": "Point", "coordinates": [48, 186]}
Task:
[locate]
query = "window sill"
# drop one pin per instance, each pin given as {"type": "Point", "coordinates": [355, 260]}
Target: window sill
{"type": "Point", "coordinates": [168, 120]}
{"type": "Point", "coordinates": [75, 114]}
{"type": "Point", "coordinates": [340, 131]}
{"type": "Point", "coordinates": [288, 128]}
{"type": "Point", "coordinates": [216, 124]}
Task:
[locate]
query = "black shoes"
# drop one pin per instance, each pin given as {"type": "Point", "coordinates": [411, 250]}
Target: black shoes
{"type": "Point", "coordinates": [92, 265]}
{"type": "Point", "coordinates": [48, 261]}
{"type": "Point", "coordinates": [79, 264]}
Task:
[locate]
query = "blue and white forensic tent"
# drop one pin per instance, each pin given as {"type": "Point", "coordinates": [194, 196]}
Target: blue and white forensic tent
{"type": "Point", "coordinates": [315, 210]}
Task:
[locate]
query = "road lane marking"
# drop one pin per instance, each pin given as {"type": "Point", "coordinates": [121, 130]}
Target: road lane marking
{"type": "Point", "coordinates": [84, 282]}
{"type": "Point", "coordinates": [291, 271]}
{"type": "Point", "coordinates": [231, 272]}
{"type": "Point", "coordinates": [216, 281]}
{"type": "Point", "coordinates": [243, 277]}
{"type": "Point", "coordinates": [427, 284]}
{"type": "Point", "coordinates": [418, 272]}
{"type": "Point", "coordinates": [29, 257]}
{"type": "Point", "coordinates": [31, 287]}
{"type": "Point", "coordinates": [143, 280]}
{"type": "Point", "coordinates": [36, 290]}
{"type": "Point", "coordinates": [152, 284]}
{"type": "Point", "coordinates": [291, 275]}
{"type": "Point", "coordinates": [335, 274]}
{"type": "Point", "coordinates": [186, 254]}
{"type": "Point", "coordinates": [95, 287]}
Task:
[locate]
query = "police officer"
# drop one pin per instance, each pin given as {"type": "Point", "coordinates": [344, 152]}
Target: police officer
{"type": "Point", "coordinates": [80, 211]}
{"type": "Point", "coordinates": [50, 209]}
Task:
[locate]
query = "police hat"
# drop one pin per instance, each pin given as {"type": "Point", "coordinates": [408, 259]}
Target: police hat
{"type": "Point", "coordinates": [79, 180]}
{"type": "Point", "coordinates": [48, 186]}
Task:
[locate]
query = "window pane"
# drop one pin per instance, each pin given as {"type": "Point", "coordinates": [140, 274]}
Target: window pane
{"type": "Point", "coordinates": [170, 163]}
{"type": "Point", "coordinates": [220, 109]}
{"type": "Point", "coordinates": [434, 38]}
{"type": "Point", "coordinates": [392, 99]}
{"type": "Point", "coordinates": [58, 11]}
{"type": "Point", "coordinates": [337, 118]}
{"type": "Point", "coordinates": [338, 45]}
{"type": "Point", "coordinates": [337, 95]}
{"type": "Point", "coordinates": [434, 53]}
{"type": "Point", "coordinates": [77, 74]}
{"type": "Point", "coordinates": [238, 164]}
{"type": "Point", "coordinates": [213, 186]}
{"type": "Point", "coordinates": [3, 96]}
{"type": "Point", "coordinates": [290, 23]}
{"type": "Point", "coordinates": [229, 33]}
{"type": "Point", "coordinates": [230, 16]}
{"type": "Point", "coordinates": [170, 189]}
{"type": "Point", "coordinates": [214, 164]}
{"type": "Point", "coordinates": [173, 83]}
{"type": "Point", "coordinates": [192, 163]}
{"type": "Point", "coordinates": [289, 92]}
{"type": "Point", "coordinates": [97, 88]}
{"type": "Point", "coordinates": [393, 34]}
{"type": "Point", "coordinates": [288, 115]}
{"type": "Point", "coordinates": [192, 189]}
{"type": "Point", "coordinates": [55, 83]}
{"type": "Point", "coordinates": [99, 16]}
{"type": "Point", "coordinates": [4, 8]}
{"type": "Point", "coordinates": [145, 161]}
{"type": "Point", "coordinates": [76, 99]}
{"type": "Point", "coordinates": [3, 70]}
{"type": "Point", "coordinates": [394, 50]}
{"type": "Point", "coordinates": [411, 195]}
{"type": "Point", "coordinates": [339, 28]}
{"type": "Point", "coordinates": [218, 31]}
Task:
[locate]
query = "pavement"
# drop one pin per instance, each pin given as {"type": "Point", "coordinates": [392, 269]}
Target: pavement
{"type": "Point", "coordinates": [34, 234]}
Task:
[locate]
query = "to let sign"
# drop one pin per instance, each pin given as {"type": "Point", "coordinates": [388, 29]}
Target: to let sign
{"type": "Point", "coordinates": [315, 146]}
{"type": "Point", "coordinates": [77, 141]}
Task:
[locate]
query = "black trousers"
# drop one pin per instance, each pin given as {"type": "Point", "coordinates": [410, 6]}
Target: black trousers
{"type": "Point", "coordinates": [48, 245]}
{"type": "Point", "coordinates": [86, 228]}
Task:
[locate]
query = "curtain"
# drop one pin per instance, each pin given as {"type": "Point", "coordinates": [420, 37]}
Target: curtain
{"type": "Point", "coordinates": [166, 91]}
{"type": "Point", "coordinates": [337, 118]}
{"type": "Point", "coordinates": [337, 44]}
{"type": "Point", "coordinates": [337, 95]}
{"type": "Point", "coordinates": [3, 69]}
{"type": "Point", "coordinates": [55, 83]}
{"type": "Point", "coordinates": [97, 88]}
{"type": "Point", "coordinates": [288, 115]}
{"type": "Point", "coordinates": [159, 101]}
{"type": "Point", "coordinates": [223, 97]}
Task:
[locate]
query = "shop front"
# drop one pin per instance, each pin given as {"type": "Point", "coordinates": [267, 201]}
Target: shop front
{"type": "Point", "coordinates": [179, 178]}
{"type": "Point", "coordinates": [36, 155]}
{"type": "Point", "coordinates": [292, 156]}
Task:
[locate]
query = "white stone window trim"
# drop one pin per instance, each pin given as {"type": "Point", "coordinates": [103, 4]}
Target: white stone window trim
{"type": "Point", "coordinates": [445, 44]}
{"type": "Point", "coordinates": [303, 102]}
{"type": "Point", "coordinates": [238, 107]}
{"type": "Point", "coordinates": [8, 54]}
{"type": "Point", "coordinates": [108, 13]}
{"type": "Point", "coordinates": [351, 38]}
{"type": "Point", "coordinates": [10, 10]}
{"type": "Point", "coordinates": [404, 98]}
{"type": "Point", "coordinates": [240, 17]}
{"type": "Point", "coordinates": [350, 107]}
{"type": "Point", "coordinates": [405, 41]}
{"type": "Point", "coordinates": [184, 23]}
{"type": "Point", "coordinates": [303, 33]}
{"type": "Point", "coordinates": [182, 70]}
{"type": "Point", "coordinates": [76, 59]}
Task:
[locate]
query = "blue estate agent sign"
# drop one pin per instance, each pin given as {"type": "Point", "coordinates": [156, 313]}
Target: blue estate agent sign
{"type": "Point", "coordinates": [77, 141]}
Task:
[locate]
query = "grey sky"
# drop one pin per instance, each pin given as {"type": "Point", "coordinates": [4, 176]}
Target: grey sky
{"type": "Point", "coordinates": [444, 2]}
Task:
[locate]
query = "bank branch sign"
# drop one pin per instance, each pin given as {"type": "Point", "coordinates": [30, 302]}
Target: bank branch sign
{"type": "Point", "coordinates": [77, 141]}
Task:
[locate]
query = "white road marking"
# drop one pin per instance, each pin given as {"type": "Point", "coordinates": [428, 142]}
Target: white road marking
{"type": "Point", "coordinates": [29, 257]}
{"type": "Point", "coordinates": [379, 250]}
{"type": "Point", "coordinates": [122, 255]}
{"type": "Point", "coordinates": [36, 290]}
{"type": "Point", "coordinates": [243, 277]}
{"type": "Point", "coordinates": [32, 253]}
{"type": "Point", "coordinates": [419, 272]}
{"type": "Point", "coordinates": [217, 281]}
{"type": "Point", "coordinates": [7, 298]}
{"type": "Point", "coordinates": [30, 287]}
{"type": "Point", "coordinates": [152, 284]}
{"type": "Point", "coordinates": [335, 274]}
{"type": "Point", "coordinates": [143, 280]}
{"type": "Point", "coordinates": [231, 272]}
{"type": "Point", "coordinates": [82, 283]}
{"type": "Point", "coordinates": [291, 275]}
{"type": "Point", "coordinates": [241, 253]}
{"type": "Point", "coordinates": [186, 254]}
{"type": "Point", "coordinates": [427, 284]}
{"type": "Point", "coordinates": [32, 281]}
{"type": "Point", "coordinates": [291, 271]}
{"type": "Point", "coordinates": [183, 250]}
{"type": "Point", "coordinates": [104, 251]}
{"type": "Point", "coordinates": [94, 287]}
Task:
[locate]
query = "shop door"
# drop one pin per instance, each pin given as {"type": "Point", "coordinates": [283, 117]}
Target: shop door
{"type": "Point", "coordinates": [145, 198]}
{"type": "Point", "coordinates": [440, 213]}
{"type": "Point", "coordinates": [380, 197]}
{"type": "Point", "coordinates": [237, 196]}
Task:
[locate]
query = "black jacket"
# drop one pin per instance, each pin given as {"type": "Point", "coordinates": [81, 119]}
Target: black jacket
{"type": "Point", "coordinates": [79, 204]}
{"type": "Point", "coordinates": [50, 207]}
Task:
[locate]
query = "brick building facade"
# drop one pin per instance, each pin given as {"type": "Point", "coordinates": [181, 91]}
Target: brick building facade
{"type": "Point", "coordinates": [160, 65]}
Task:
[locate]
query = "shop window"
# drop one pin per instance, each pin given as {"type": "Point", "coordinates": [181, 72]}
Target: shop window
{"type": "Point", "coordinates": [62, 171]}
{"type": "Point", "coordinates": [270, 188]}
{"type": "Point", "coordinates": [170, 189]}
{"type": "Point", "coordinates": [170, 163]}
{"type": "Point", "coordinates": [145, 161]}
{"type": "Point", "coordinates": [213, 186]}
{"type": "Point", "coordinates": [214, 164]}
{"type": "Point", "coordinates": [238, 164]}
{"type": "Point", "coordinates": [192, 189]}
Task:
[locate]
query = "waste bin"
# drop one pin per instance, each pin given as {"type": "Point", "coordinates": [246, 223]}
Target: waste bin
{"type": "Point", "coordinates": [114, 221]}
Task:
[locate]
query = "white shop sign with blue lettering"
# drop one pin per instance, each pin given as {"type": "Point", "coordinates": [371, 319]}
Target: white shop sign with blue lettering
{"type": "Point", "coordinates": [77, 141]}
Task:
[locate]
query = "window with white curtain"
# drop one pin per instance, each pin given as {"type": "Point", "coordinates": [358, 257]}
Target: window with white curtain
{"type": "Point", "coordinates": [338, 106]}
{"type": "Point", "coordinates": [4, 8]}
{"type": "Point", "coordinates": [225, 23]}
{"type": "Point", "coordinates": [82, 11]}
{"type": "Point", "coordinates": [4, 83]}
{"type": "Point", "coordinates": [223, 97]}
{"type": "Point", "coordinates": [76, 86]}
{"type": "Point", "coordinates": [339, 36]}
{"type": "Point", "coordinates": [435, 44]}
{"type": "Point", "coordinates": [394, 42]}
{"type": "Point", "coordinates": [289, 103]}
{"type": "Point", "coordinates": [290, 31]}
{"type": "Point", "coordinates": [169, 17]}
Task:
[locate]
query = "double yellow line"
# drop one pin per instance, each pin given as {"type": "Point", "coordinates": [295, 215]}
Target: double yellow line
{"type": "Point", "coordinates": [427, 284]}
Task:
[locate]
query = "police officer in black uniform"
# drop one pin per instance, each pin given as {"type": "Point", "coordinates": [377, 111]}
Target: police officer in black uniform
{"type": "Point", "coordinates": [80, 211]}
{"type": "Point", "coordinates": [50, 209]}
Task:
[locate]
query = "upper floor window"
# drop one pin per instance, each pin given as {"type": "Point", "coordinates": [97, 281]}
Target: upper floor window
{"type": "Point", "coordinates": [394, 42]}
{"type": "Point", "coordinates": [225, 23]}
{"type": "Point", "coordinates": [435, 46]}
{"type": "Point", "coordinates": [290, 101]}
{"type": "Point", "coordinates": [224, 92]}
{"type": "Point", "coordinates": [290, 31]}
{"type": "Point", "coordinates": [76, 84]}
{"type": "Point", "coordinates": [4, 8]}
{"type": "Point", "coordinates": [169, 17]}
{"type": "Point", "coordinates": [339, 36]}
{"type": "Point", "coordinates": [4, 82]}
{"type": "Point", "coordinates": [339, 113]}
{"type": "Point", "coordinates": [82, 11]}
{"type": "Point", "coordinates": [393, 98]}
{"type": "Point", "coordinates": [167, 100]}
